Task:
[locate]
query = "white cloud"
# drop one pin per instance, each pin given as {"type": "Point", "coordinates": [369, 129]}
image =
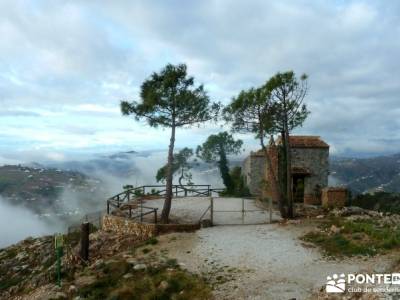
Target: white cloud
{"type": "Point", "coordinates": [93, 108]}
{"type": "Point", "coordinates": [72, 62]}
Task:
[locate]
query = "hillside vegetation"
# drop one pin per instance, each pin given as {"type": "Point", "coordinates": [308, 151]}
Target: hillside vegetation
{"type": "Point", "coordinates": [380, 201]}
{"type": "Point", "coordinates": [120, 268]}
{"type": "Point", "coordinates": [373, 174]}
{"type": "Point", "coordinates": [354, 231]}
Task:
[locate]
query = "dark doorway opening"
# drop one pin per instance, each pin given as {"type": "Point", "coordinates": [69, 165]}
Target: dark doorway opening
{"type": "Point", "coordinates": [298, 187]}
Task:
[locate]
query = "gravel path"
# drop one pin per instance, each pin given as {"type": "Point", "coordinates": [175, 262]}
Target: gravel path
{"type": "Point", "coordinates": [260, 261]}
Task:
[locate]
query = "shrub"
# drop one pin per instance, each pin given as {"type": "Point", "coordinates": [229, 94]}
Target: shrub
{"type": "Point", "coordinates": [381, 201]}
{"type": "Point", "coordinates": [152, 241]}
{"type": "Point", "coordinates": [240, 188]}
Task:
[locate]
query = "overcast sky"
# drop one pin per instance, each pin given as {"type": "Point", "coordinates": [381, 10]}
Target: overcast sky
{"type": "Point", "coordinates": [65, 66]}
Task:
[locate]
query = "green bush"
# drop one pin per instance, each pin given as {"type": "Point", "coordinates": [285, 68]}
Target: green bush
{"type": "Point", "coordinates": [152, 241]}
{"type": "Point", "coordinates": [381, 201]}
{"type": "Point", "coordinates": [240, 188]}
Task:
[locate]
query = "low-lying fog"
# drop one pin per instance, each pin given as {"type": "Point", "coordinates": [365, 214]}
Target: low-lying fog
{"type": "Point", "coordinates": [114, 171]}
{"type": "Point", "coordinates": [17, 223]}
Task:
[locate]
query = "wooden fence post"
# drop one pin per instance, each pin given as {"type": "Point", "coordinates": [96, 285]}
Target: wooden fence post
{"type": "Point", "coordinates": [85, 241]}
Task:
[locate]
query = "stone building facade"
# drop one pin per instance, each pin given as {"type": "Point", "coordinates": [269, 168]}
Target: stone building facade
{"type": "Point", "coordinates": [254, 169]}
{"type": "Point", "coordinates": [310, 168]}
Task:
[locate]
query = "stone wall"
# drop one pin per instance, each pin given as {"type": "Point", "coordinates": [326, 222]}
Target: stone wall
{"type": "Point", "coordinates": [122, 225]}
{"type": "Point", "coordinates": [316, 162]}
{"type": "Point", "coordinates": [143, 231]}
{"type": "Point", "coordinates": [334, 197]}
{"type": "Point", "coordinates": [253, 169]}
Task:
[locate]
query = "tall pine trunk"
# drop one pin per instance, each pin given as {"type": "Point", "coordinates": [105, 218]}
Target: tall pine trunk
{"type": "Point", "coordinates": [289, 179]}
{"type": "Point", "coordinates": [168, 187]}
{"type": "Point", "coordinates": [288, 160]}
{"type": "Point", "coordinates": [288, 173]}
{"type": "Point", "coordinates": [276, 193]}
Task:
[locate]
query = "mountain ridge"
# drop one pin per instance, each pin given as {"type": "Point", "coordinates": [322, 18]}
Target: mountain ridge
{"type": "Point", "coordinates": [373, 174]}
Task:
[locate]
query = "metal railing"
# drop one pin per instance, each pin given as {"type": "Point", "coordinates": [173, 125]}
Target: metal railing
{"type": "Point", "coordinates": [140, 193]}
{"type": "Point", "coordinates": [129, 203]}
{"type": "Point", "coordinates": [198, 190]}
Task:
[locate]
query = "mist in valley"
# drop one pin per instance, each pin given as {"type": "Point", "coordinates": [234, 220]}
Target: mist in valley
{"type": "Point", "coordinates": [137, 169]}
{"type": "Point", "coordinates": [17, 223]}
{"type": "Point", "coordinates": [107, 174]}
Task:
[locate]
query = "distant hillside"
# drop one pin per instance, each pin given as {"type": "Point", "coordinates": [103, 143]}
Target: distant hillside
{"type": "Point", "coordinates": [122, 155]}
{"type": "Point", "coordinates": [59, 186]}
{"type": "Point", "coordinates": [45, 190]}
{"type": "Point", "coordinates": [116, 164]}
{"type": "Point", "coordinates": [380, 173]}
{"type": "Point", "coordinates": [136, 168]}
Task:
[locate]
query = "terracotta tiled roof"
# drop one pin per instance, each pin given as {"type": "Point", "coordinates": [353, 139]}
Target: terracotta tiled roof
{"type": "Point", "coordinates": [305, 141]}
{"type": "Point", "coordinates": [298, 141]}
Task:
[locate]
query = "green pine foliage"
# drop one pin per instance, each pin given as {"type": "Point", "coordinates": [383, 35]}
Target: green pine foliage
{"type": "Point", "coordinates": [215, 150]}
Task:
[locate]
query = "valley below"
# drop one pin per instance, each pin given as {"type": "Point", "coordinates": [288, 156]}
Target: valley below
{"type": "Point", "coordinates": [62, 193]}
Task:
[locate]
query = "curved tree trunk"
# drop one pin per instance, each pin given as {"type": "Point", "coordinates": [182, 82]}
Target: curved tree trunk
{"type": "Point", "coordinates": [168, 186]}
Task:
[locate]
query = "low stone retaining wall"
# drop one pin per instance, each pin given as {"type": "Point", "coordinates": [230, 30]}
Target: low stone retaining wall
{"type": "Point", "coordinates": [124, 226]}
{"type": "Point", "coordinates": [143, 231]}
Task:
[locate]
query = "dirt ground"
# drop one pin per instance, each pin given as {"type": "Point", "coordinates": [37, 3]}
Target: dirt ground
{"type": "Point", "coordinates": [261, 261]}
